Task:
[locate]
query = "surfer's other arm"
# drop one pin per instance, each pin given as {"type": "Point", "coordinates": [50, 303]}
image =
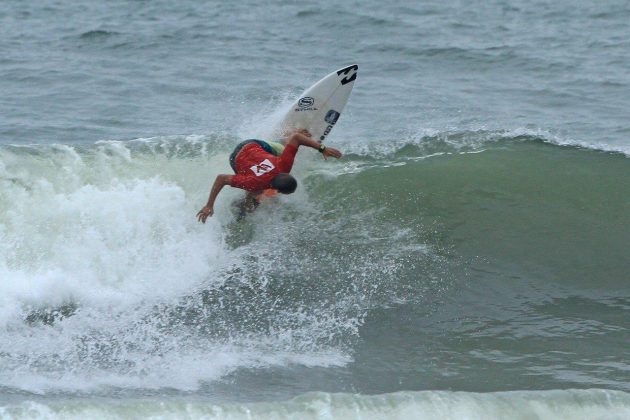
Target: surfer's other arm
{"type": "Point", "coordinates": [303, 138]}
{"type": "Point", "coordinates": [208, 210]}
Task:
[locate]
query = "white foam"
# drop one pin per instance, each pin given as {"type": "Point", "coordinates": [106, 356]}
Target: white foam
{"type": "Point", "coordinates": [112, 233]}
{"type": "Point", "coordinates": [102, 244]}
{"type": "Point", "coordinates": [263, 123]}
{"type": "Point", "coordinates": [555, 404]}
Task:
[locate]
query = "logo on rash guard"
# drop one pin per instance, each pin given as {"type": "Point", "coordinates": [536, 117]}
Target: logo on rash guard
{"type": "Point", "coordinates": [262, 168]}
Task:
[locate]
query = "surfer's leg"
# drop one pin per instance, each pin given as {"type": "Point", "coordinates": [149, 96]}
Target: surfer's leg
{"type": "Point", "coordinates": [246, 205]}
{"type": "Point", "coordinates": [251, 202]}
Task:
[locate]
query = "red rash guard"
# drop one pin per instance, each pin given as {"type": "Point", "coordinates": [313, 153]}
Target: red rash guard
{"type": "Point", "coordinates": [256, 168]}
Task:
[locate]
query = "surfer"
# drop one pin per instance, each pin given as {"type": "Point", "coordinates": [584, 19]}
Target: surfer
{"type": "Point", "coordinates": [259, 165]}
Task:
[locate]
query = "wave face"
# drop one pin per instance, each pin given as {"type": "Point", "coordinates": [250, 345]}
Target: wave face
{"type": "Point", "coordinates": [108, 281]}
{"type": "Point", "coordinates": [570, 404]}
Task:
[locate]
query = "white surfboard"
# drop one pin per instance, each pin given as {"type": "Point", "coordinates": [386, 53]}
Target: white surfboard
{"type": "Point", "coordinates": [320, 106]}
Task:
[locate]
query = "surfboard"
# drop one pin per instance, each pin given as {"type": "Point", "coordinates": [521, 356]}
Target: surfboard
{"type": "Point", "coordinates": [318, 109]}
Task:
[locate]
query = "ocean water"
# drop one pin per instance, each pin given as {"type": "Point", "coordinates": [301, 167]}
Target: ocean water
{"type": "Point", "coordinates": [469, 257]}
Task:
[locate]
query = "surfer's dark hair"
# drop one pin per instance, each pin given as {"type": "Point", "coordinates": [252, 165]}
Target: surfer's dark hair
{"type": "Point", "coordinates": [284, 183]}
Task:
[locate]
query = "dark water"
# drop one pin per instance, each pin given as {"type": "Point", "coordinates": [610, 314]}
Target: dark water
{"type": "Point", "coordinates": [468, 256]}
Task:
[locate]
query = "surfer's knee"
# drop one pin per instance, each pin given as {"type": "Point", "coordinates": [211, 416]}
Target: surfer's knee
{"type": "Point", "coordinates": [284, 183]}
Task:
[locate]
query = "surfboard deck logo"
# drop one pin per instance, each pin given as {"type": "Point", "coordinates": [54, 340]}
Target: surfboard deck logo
{"type": "Point", "coordinates": [350, 72]}
{"type": "Point", "coordinates": [332, 116]}
{"type": "Point", "coordinates": [306, 102]}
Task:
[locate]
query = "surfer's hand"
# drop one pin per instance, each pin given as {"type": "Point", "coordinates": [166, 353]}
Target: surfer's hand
{"type": "Point", "coordinates": [331, 151]}
{"type": "Point", "coordinates": [304, 131]}
{"type": "Point", "coordinates": [204, 213]}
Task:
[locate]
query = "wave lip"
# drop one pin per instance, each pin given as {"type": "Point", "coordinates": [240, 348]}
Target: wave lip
{"type": "Point", "coordinates": [556, 404]}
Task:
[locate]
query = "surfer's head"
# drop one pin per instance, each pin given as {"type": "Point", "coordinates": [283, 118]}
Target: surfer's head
{"type": "Point", "coordinates": [284, 183]}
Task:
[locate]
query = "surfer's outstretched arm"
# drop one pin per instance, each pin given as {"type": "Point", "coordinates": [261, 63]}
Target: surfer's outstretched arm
{"type": "Point", "coordinates": [303, 138]}
{"type": "Point", "coordinates": [208, 210]}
